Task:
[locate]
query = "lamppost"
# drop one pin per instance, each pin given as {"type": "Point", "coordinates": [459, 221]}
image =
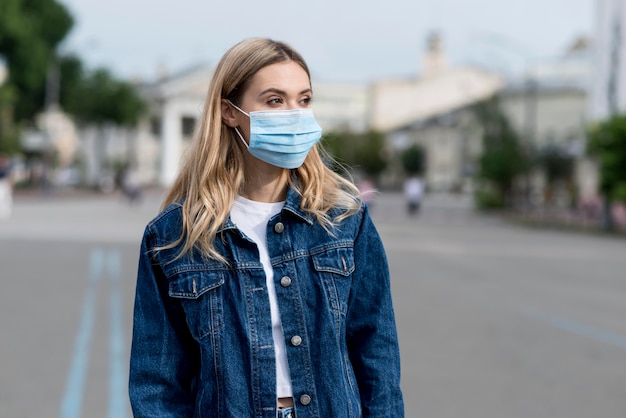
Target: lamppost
{"type": "Point", "coordinates": [612, 100]}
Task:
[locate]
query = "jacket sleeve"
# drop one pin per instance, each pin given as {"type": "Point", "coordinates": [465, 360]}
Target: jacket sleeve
{"type": "Point", "coordinates": [164, 357]}
{"type": "Point", "coordinates": [370, 327]}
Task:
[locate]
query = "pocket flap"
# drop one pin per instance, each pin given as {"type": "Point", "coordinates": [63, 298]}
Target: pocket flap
{"type": "Point", "coordinates": [335, 260]}
{"type": "Point", "coordinates": [193, 284]}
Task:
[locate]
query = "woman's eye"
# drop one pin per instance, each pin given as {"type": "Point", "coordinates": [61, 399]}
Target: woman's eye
{"type": "Point", "coordinates": [274, 100]}
{"type": "Point", "coordinates": [306, 101]}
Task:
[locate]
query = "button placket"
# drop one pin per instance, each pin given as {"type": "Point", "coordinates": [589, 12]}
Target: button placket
{"type": "Point", "coordinates": [285, 281]}
{"type": "Point", "coordinates": [279, 227]}
{"type": "Point", "coordinates": [305, 399]}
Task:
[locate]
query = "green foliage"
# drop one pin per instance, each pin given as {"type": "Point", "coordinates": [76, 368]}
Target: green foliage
{"type": "Point", "coordinates": [413, 160]}
{"type": "Point", "coordinates": [9, 138]}
{"type": "Point", "coordinates": [486, 198]}
{"type": "Point", "coordinates": [607, 141]}
{"type": "Point", "coordinates": [9, 133]}
{"type": "Point", "coordinates": [97, 97]}
{"type": "Point", "coordinates": [370, 154]}
{"type": "Point", "coordinates": [365, 151]}
{"type": "Point", "coordinates": [557, 164]}
{"type": "Point", "coordinates": [503, 157]}
{"type": "Point", "coordinates": [72, 73]}
{"type": "Point", "coordinates": [30, 31]}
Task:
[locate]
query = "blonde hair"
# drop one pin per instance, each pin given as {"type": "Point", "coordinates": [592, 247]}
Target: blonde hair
{"type": "Point", "coordinates": [213, 171]}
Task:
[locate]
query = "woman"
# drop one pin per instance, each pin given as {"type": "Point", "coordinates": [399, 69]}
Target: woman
{"type": "Point", "coordinates": [263, 288]}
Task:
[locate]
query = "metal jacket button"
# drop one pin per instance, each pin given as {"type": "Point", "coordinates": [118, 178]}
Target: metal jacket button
{"type": "Point", "coordinates": [296, 340]}
{"type": "Point", "coordinates": [285, 281]}
{"type": "Point", "coordinates": [279, 227]}
{"type": "Point", "coordinates": [305, 399]}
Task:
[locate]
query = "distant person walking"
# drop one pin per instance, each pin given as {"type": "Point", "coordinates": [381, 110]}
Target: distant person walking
{"type": "Point", "coordinates": [413, 193]}
{"type": "Point", "coordinates": [6, 187]}
{"type": "Point", "coordinates": [131, 185]}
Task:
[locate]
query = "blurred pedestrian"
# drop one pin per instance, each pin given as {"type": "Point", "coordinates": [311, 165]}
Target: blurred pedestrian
{"type": "Point", "coordinates": [263, 287]}
{"type": "Point", "coordinates": [413, 194]}
{"type": "Point", "coordinates": [131, 185]}
{"type": "Point", "coordinates": [6, 187]}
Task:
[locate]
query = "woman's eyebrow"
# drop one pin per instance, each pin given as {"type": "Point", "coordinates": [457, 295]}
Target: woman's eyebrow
{"type": "Point", "coordinates": [282, 92]}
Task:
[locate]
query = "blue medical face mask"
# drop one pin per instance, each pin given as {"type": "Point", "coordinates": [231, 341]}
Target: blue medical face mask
{"type": "Point", "coordinates": [282, 138]}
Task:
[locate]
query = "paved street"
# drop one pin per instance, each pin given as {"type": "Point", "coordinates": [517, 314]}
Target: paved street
{"type": "Point", "coordinates": [495, 320]}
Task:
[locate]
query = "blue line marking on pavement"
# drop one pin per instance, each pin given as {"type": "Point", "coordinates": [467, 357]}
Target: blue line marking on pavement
{"type": "Point", "coordinates": [117, 377]}
{"type": "Point", "coordinates": [75, 385]}
{"type": "Point", "coordinates": [578, 328]}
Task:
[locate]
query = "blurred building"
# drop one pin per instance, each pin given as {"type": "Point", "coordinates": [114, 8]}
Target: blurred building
{"type": "Point", "coordinates": [342, 106]}
{"type": "Point", "coordinates": [50, 147]}
{"type": "Point", "coordinates": [548, 108]}
{"type": "Point", "coordinates": [175, 104]}
{"type": "Point", "coordinates": [548, 105]}
{"type": "Point", "coordinates": [434, 111]}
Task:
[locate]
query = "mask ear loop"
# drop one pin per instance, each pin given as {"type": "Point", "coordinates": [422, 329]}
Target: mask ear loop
{"type": "Point", "coordinates": [237, 130]}
{"type": "Point", "coordinates": [241, 137]}
{"type": "Point", "coordinates": [237, 107]}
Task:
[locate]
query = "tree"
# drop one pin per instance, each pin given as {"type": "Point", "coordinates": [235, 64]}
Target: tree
{"type": "Point", "coordinates": [413, 160]}
{"type": "Point", "coordinates": [370, 154]}
{"type": "Point", "coordinates": [9, 138]}
{"type": "Point", "coordinates": [365, 151]}
{"type": "Point", "coordinates": [558, 166]}
{"type": "Point", "coordinates": [71, 79]}
{"type": "Point", "coordinates": [100, 99]}
{"type": "Point", "coordinates": [607, 142]}
{"type": "Point", "coordinates": [30, 31]}
{"type": "Point", "coordinates": [97, 98]}
{"type": "Point", "coordinates": [503, 158]}
{"type": "Point", "coordinates": [341, 145]}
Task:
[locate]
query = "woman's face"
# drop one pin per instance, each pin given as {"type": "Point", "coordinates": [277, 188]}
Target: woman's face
{"type": "Point", "coordinates": [280, 86]}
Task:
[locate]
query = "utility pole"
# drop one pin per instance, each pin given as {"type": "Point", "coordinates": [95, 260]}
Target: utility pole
{"type": "Point", "coordinates": [530, 122]}
{"type": "Point", "coordinates": [53, 86]}
{"type": "Point", "coordinates": [612, 98]}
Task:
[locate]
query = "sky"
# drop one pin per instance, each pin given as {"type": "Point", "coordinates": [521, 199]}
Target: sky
{"type": "Point", "coordinates": [341, 40]}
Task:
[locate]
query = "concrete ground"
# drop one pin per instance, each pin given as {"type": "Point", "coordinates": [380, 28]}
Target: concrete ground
{"type": "Point", "coordinates": [495, 320]}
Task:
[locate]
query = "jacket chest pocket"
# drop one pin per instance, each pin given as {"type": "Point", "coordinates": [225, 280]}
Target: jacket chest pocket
{"type": "Point", "coordinates": [335, 267]}
{"type": "Point", "coordinates": [200, 293]}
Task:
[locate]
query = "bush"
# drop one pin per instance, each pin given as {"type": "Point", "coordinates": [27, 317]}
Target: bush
{"type": "Point", "coordinates": [487, 199]}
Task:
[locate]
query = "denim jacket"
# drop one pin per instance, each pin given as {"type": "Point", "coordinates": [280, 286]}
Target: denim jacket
{"type": "Point", "coordinates": [202, 338]}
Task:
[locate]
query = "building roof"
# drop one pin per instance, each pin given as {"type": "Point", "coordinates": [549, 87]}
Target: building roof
{"type": "Point", "coordinates": [396, 104]}
{"type": "Point", "coordinates": [191, 82]}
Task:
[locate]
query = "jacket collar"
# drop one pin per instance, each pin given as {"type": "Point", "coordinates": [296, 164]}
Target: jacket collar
{"type": "Point", "coordinates": [292, 205]}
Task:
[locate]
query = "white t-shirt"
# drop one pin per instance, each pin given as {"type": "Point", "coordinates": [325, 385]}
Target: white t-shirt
{"type": "Point", "coordinates": [251, 218]}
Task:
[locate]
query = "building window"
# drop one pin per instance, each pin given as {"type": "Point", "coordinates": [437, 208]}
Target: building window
{"type": "Point", "coordinates": [189, 125]}
{"type": "Point", "coordinates": [155, 126]}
